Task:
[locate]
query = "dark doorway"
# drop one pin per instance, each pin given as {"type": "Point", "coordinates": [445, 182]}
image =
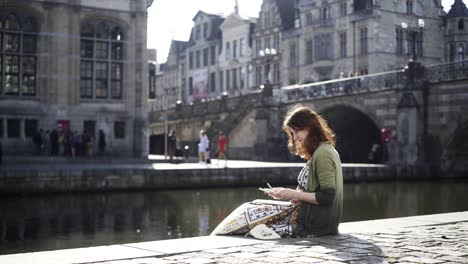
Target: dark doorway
{"type": "Point", "coordinates": [357, 136]}
{"type": "Point", "coordinates": [156, 145]}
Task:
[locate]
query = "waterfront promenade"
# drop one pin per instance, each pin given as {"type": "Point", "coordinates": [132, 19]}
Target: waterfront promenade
{"type": "Point", "coordinates": [441, 238]}
{"type": "Point", "coordinates": [56, 174]}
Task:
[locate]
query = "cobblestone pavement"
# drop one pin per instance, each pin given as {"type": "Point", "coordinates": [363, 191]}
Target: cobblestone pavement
{"type": "Point", "coordinates": [446, 243]}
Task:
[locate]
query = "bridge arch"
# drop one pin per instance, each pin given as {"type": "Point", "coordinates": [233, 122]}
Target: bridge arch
{"type": "Point", "coordinates": [356, 134]}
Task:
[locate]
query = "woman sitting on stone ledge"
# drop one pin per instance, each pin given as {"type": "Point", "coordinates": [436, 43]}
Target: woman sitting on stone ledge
{"type": "Point", "coordinates": [315, 206]}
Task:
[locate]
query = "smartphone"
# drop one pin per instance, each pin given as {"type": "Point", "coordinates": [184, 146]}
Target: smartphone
{"type": "Point", "coordinates": [267, 190]}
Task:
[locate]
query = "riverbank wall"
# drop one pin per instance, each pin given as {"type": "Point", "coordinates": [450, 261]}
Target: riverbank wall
{"type": "Point", "coordinates": [85, 176]}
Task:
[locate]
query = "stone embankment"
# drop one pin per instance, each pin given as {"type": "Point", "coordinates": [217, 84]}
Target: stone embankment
{"type": "Point", "coordinates": [429, 239]}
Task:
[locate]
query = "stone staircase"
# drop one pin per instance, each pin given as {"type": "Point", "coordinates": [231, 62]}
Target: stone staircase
{"type": "Point", "coordinates": [236, 113]}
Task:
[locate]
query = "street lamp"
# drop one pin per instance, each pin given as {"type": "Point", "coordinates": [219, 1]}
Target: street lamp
{"type": "Point", "coordinates": [404, 25]}
{"type": "Point", "coordinates": [267, 53]}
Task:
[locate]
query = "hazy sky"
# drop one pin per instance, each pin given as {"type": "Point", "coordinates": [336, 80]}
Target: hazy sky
{"type": "Point", "coordinates": [169, 19]}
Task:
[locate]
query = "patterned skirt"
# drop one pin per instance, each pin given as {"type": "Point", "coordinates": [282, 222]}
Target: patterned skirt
{"type": "Point", "coordinates": [278, 215]}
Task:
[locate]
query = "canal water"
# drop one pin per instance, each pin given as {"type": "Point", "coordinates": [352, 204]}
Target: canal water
{"type": "Point", "coordinates": [49, 222]}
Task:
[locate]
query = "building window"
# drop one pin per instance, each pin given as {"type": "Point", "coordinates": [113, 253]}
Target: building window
{"type": "Point", "coordinates": [221, 80]}
{"type": "Point", "coordinates": [323, 46]}
{"type": "Point", "coordinates": [364, 40]}
{"type": "Point", "coordinates": [343, 45]}
{"type": "Point", "coordinates": [212, 81]}
{"type": "Point", "coordinates": [205, 57]}
{"type": "Point", "coordinates": [234, 49]}
{"type": "Point", "coordinates": [293, 54]}
{"type": "Point", "coordinates": [197, 32]}
{"type": "Point", "coordinates": [228, 50]}
{"type": "Point", "coordinates": [30, 127]}
{"type": "Point", "coordinates": [242, 77]}
{"type": "Point", "coordinates": [18, 43]}
{"type": "Point", "coordinates": [13, 128]}
{"type": "Point", "coordinates": [197, 59]}
{"type": "Point", "coordinates": [297, 20]}
{"type": "Point", "coordinates": [309, 51]}
{"type": "Point", "coordinates": [190, 85]}
{"type": "Point", "coordinates": [101, 63]}
{"type": "Point", "coordinates": [234, 79]}
{"type": "Point", "coordinates": [213, 55]}
{"type": "Point", "coordinates": [119, 129]}
{"type": "Point", "coordinates": [191, 60]}
{"type": "Point", "coordinates": [205, 30]}
{"type": "Point", "coordinates": [276, 72]}
{"type": "Point", "coordinates": [241, 47]}
{"type": "Point", "coordinates": [276, 42]}
{"type": "Point", "coordinates": [258, 46]}
{"type": "Point", "coordinates": [309, 19]}
{"type": "Point", "coordinates": [461, 52]}
{"type": "Point", "coordinates": [399, 41]}
{"type": "Point", "coordinates": [409, 7]}
{"type": "Point", "coordinates": [343, 9]}
{"type": "Point", "coordinates": [258, 74]}
{"type": "Point", "coordinates": [152, 80]}
{"type": "Point", "coordinates": [266, 20]}
{"type": "Point", "coordinates": [325, 13]}
{"type": "Point", "coordinates": [228, 80]}
{"type": "Point", "coordinates": [461, 24]}
{"type": "Point", "coordinates": [362, 4]}
{"type": "Point", "coordinates": [414, 43]}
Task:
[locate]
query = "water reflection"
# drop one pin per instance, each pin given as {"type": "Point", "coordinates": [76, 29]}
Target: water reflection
{"type": "Point", "coordinates": [81, 220]}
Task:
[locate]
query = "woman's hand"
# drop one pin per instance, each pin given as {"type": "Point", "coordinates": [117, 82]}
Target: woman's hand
{"type": "Point", "coordinates": [281, 193]}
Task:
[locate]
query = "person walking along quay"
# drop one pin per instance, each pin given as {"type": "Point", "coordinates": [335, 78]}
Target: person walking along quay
{"type": "Point", "coordinates": [203, 146]}
{"type": "Point", "coordinates": [222, 147]}
{"type": "Point", "coordinates": [171, 144]}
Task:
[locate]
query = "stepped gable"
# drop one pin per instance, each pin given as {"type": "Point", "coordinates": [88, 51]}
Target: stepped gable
{"type": "Point", "coordinates": [458, 9]}
{"type": "Point", "coordinates": [286, 11]}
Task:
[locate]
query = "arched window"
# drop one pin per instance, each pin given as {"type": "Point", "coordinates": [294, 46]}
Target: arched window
{"type": "Point", "coordinates": [18, 44]}
{"type": "Point", "coordinates": [101, 61]}
{"type": "Point", "coordinates": [461, 24]}
{"type": "Point", "coordinates": [461, 52]}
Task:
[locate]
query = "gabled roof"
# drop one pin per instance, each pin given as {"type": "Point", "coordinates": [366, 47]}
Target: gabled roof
{"type": "Point", "coordinates": [215, 22]}
{"type": "Point", "coordinates": [286, 11]}
{"type": "Point", "coordinates": [206, 14]}
{"type": "Point", "coordinates": [458, 9]}
{"type": "Point", "coordinates": [179, 46]}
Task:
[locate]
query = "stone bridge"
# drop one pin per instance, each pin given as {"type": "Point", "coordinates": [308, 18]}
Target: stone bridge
{"type": "Point", "coordinates": [424, 108]}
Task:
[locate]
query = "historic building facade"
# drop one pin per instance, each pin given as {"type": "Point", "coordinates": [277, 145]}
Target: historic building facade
{"type": "Point", "coordinates": [171, 77]}
{"type": "Point", "coordinates": [456, 32]}
{"type": "Point", "coordinates": [74, 66]}
{"type": "Point", "coordinates": [345, 38]}
{"type": "Point", "coordinates": [202, 57]}
{"type": "Point", "coordinates": [235, 73]}
{"type": "Point", "coordinates": [275, 18]}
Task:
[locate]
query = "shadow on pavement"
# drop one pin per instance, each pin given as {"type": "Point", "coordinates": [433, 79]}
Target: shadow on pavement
{"type": "Point", "coordinates": [341, 248]}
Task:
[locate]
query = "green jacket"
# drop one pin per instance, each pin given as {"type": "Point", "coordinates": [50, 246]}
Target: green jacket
{"type": "Point", "coordinates": [326, 180]}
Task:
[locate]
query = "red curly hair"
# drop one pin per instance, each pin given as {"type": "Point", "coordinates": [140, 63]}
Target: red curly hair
{"type": "Point", "coordinates": [299, 118]}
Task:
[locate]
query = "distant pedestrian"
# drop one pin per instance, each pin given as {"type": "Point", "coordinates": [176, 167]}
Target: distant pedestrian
{"type": "Point", "coordinates": [203, 147]}
{"type": "Point", "coordinates": [171, 144]}
{"type": "Point", "coordinates": [1, 152]}
{"type": "Point", "coordinates": [222, 147]}
{"type": "Point", "coordinates": [102, 142]}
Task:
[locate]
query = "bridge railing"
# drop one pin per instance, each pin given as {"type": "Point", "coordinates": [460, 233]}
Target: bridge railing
{"type": "Point", "coordinates": [344, 86]}
{"type": "Point", "coordinates": [208, 107]}
{"type": "Point", "coordinates": [446, 71]}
